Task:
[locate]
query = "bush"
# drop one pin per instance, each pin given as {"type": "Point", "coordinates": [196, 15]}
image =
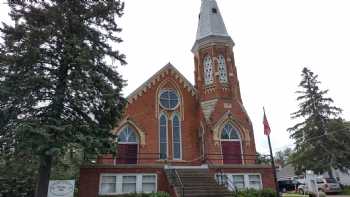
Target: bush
{"type": "Point", "coordinates": [255, 193]}
{"type": "Point", "coordinates": [346, 190]}
{"type": "Point", "coordinates": [156, 194]}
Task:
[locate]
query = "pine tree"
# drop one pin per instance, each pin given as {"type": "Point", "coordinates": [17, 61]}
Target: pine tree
{"type": "Point", "coordinates": [321, 138]}
{"type": "Point", "coordinates": [59, 85]}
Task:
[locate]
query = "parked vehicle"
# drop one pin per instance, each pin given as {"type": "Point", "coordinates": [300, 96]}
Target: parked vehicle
{"type": "Point", "coordinates": [326, 185]}
{"type": "Point", "coordinates": [285, 185]}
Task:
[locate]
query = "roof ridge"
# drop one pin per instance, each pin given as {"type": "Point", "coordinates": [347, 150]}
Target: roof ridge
{"type": "Point", "coordinates": [143, 87]}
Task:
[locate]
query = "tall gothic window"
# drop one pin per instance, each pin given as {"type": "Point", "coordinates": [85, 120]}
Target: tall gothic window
{"type": "Point", "coordinates": [163, 137]}
{"type": "Point", "coordinates": [222, 69]}
{"type": "Point", "coordinates": [208, 70]}
{"type": "Point", "coordinates": [176, 137]}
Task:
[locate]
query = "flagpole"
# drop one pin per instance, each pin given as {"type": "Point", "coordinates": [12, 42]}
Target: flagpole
{"type": "Point", "coordinates": [273, 167]}
{"type": "Point", "coordinates": [271, 155]}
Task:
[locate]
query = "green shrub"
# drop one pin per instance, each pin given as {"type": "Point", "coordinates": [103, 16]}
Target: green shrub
{"type": "Point", "coordinates": [346, 190]}
{"type": "Point", "coordinates": [255, 193]}
{"type": "Point", "coordinates": [156, 194]}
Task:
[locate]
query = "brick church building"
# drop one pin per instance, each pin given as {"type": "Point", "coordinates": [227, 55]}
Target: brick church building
{"type": "Point", "coordinates": [184, 139]}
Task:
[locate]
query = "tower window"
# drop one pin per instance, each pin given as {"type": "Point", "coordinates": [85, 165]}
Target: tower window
{"type": "Point", "coordinates": [208, 70]}
{"type": "Point", "coordinates": [213, 10]}
{"type": "Point", "coordinates": [222, 69]}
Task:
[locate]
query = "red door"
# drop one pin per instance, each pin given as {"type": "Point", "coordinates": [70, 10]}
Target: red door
{"type": "Point", "coordinates": [231, 151]}
{"type": "Point", "coordinates": [127, 154]}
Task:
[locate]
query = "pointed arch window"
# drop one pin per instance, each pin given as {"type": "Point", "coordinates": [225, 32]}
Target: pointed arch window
{"type": "Point", "coordinates": [229, 133]}
{"type": "Point", "coordinates": [222, 69]}
{"type": "Point", "coordinates": [208, 70]}
{"type": "Point", "coordinates": [163, 137]}
{"type": "Point", "coordinates": [176, 137]}
{"type": "Point", "coordinates": [127, 136]}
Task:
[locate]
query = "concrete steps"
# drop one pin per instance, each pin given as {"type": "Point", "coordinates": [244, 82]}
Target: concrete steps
{"type": "Point", "coordinates": [197, 183]}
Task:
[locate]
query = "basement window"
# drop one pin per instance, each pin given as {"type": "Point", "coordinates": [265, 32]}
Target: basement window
{"type": "Point", "coordinates": [241, 181]}
{"type": "Point", "coordinates": [214, 10]}
{"type": "Point", "coordinates": [115, 184]}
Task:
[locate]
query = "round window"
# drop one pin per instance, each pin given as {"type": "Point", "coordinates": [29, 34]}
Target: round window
{"type": "Point", "coordinates": [169, 99]}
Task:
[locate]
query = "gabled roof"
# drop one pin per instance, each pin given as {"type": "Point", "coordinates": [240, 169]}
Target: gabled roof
{"type": "Point", "coordinates": [156, 77]}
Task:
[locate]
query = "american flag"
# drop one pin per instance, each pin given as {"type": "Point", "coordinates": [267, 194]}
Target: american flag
{"type": "Point", "coordinates": [267, 129]}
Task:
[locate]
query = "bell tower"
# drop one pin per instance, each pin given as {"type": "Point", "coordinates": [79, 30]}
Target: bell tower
{"type": "Point", "coordinates": [215, 70]}
{"type": "Point", "coordinates": [217, 83]}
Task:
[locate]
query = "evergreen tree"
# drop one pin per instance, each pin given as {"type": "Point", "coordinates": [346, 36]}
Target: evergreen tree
{"type": "Point", "coordinates": [322, 142]}
{"type": "Point", "coordinates": [59, 85]}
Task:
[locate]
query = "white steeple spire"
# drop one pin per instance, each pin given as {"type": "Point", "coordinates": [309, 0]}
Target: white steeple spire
{"type": "Point", "coordinates": [210, 21]}
{"type": "Point", "coordinates": [211, 26]}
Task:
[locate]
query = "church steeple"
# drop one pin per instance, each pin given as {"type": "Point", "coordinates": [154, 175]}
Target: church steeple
{"type": "Point", "coordinates": [211, 26]}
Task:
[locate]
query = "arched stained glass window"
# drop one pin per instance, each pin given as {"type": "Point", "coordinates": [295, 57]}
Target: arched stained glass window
{"type": "Point", "coordinates": [176, 137]}
{"type": "Point", "coordinates": [163, 137]}
{"type": "Point", "coordinates": [222, 69]}
{"type": "Point", "coordinates": [229, 133]}
{"type": "Point", "coordinates": [208, 70]}
{"type": "Point", "coordinates": [127, 135]}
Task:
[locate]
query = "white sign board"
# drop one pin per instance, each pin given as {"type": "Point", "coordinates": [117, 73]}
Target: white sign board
{"type": "Point", "coordinates": [61, 188]}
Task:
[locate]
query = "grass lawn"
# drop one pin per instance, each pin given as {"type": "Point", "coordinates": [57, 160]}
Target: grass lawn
{"type": "Point", "coordinates": [346, 191]}
{"type": "Point", "coordinates": [294, 195]}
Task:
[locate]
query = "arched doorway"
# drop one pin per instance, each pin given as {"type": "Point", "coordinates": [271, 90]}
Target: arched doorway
{"type": "Point", "coordinates": [231, 145]}
{"type": "Point", "coordinates": [127, 146]}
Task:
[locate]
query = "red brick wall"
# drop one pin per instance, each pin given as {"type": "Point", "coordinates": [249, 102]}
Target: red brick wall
{"type": "Point", "coordinates": [144, 113]}
{"type": "Point", "coordinates": [90, 178]}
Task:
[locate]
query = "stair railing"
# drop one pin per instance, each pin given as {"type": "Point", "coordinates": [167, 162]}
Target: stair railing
{"type": "Point", "coordinates": [176, 181]}
{"type": "Point", "coordinates": [181, 184]}
{"type": "Point", "coordinates": [224, 180]}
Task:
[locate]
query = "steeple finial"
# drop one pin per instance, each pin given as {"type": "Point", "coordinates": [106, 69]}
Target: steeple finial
{"type": "Point", "coordinates": [210, 23]}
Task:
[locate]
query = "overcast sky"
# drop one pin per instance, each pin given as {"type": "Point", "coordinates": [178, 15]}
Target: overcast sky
{"type": "Point", "coordinates": [274, 40]}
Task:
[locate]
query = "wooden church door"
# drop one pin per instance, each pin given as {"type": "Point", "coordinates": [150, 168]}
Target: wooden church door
{"type": "Point", "coordinates": [127, 146]}
{"type": "Point", "coordinates": [231, 145]}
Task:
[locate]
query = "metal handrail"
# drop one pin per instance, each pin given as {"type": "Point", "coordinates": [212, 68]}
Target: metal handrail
{"type": "Point", "coordinates": [181, 184]}
{"type": "Point", "coordinates": [233, 157]}
{"type": "Point", "coordinates": [176, 180]}
{"type": "Point", "coordinates": [228, 183]}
